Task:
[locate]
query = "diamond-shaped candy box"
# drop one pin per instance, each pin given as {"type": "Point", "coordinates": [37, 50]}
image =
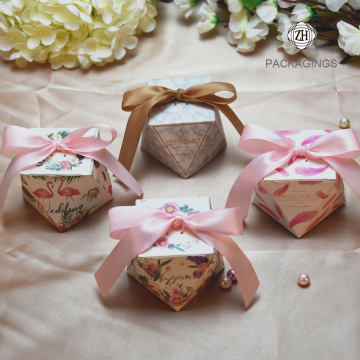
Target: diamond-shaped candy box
{"type": "Point", "coordinates": [66, 188]}
{"type": "Point", "coordinates": [303, 192]}
{"type": "Point", "coordinates": [179, 264]}
{"type": "Point", "coordinates": [184, 137]}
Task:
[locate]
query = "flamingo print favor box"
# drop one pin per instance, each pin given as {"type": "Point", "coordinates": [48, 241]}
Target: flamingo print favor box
{"type": "Point", "coordinates": [184, 137]}
{"type": "Point", "coordinates": [66, 188]}
{"type": "Point", "coordinates": [179, 264]}
{"type": "Point", "coordinates": [303, 192]}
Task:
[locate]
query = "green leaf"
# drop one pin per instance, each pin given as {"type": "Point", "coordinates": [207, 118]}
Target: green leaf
{"type": "Point", "coordinates": [158, 276]}
{"type": "Point", "coordinates": [193, 266]}
{"type": "Point", "coordinates": [23, 180]}
{"type": "Point", "coordinates": [166, 262]}
{"type": "Point", "coordinates": [158, 262]}
{"type": "Point", "coordinates": [51, 136]}
{"type": "Point", "coordinates": [179, 249]}
{"type": "Point", "coordinates": [348, 58]}
{"type": "Point", "coordinates": [251, 4]}
{"type": "Point", "coordinates": [139, 263]}
{"type": "Point", "coordinates": [166, 293]}
{"type": "Point", "coordinates": [28, 194]}
{"type": "Point", "coordinates": [180, 285]}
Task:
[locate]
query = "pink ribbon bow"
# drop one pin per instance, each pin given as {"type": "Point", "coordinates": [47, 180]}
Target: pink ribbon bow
{"type": "Point", "coordinates": [337, 149]}
{"type": "Point", "coordinates": [32, 147]}
{"type": "Point", "coordinates": [138, 228]}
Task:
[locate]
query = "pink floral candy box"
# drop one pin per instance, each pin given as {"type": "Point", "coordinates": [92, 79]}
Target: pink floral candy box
{"type": "Point", "coordinates": [302, 192]}
{"type": "Point", "coordinates": [66, 188]}
{"type": "Point", "coordinates": [179, 264]}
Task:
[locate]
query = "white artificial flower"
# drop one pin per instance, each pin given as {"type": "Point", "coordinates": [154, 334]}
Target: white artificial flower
{"type": "Point", "coordinates": [245, 31]}
{"type": "Point", "coordinates": [45, 34]}
{"type": "Point", "coordinates": [349, 38]}
{"type": "Point", "coordinates": [235, 6]}
{"type": "Point", "coordinates": [187, 6]}
{"type": "Point", "coordinates": [285, 4]}
{"type": "Point", "coordinates": [267, 11]}
{"type": "Point", "coordinates": [124, 40]}
{"type": "Point", "coordinates": [208, 18]}
{"type": "Point", "coordinates": [335, 5]}
{"type": "Point", "coordinates": [11, 38]}
{"type": "Point", "coordinates": [355, 4]}
{"type": "Point", "coordinates": [301, 12]}
{"type": "Point", "coordinates": [72, 33]}
{"type": "Point", "coordinates": [284, 24]}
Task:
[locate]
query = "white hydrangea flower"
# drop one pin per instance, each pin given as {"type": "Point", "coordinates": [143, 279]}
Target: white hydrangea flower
{"type": "Point", "coordinates": [245, 31]}
{"type": "Point", "coordinates": [284, 24]}
{"type": "Point", "coordinates": [301, 12]}
{"type": "Point", "coordinates": [208, 18]}
{"type": "Point", "coordinates": [187, 6]}
{"type": "Point", "coordinates": [349, 38]}
{"type": "Point", "coordinates": [72, 33]}
{"type": "Point", "coordinates": [124, 40]}
{"type": "Point", "coordinates": [267, 11]}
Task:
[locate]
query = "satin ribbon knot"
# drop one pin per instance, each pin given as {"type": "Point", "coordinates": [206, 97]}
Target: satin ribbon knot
{"type": "Point", "coordinates": [31, 147]}
{"type": "Point", "coordinates": [140, 102]}
{"type": "Point", "coordinates": [179, 221]}
{"type": "Point", "coordinates": [300, 151]}
{"type": "Point", "coordinates": [338, 149]}
{"type": "Point", "coordinates": [178, 96]}
{"type": "Point", "coordinates": [58, 145]}
{"type": "Point", "coordinates": [138, 228]}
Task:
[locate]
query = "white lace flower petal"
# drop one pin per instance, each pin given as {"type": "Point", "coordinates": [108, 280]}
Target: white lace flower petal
{"type": "Point", "coordinates": [239, 21]}
{"type": "Point", "coordinates": [335, 5]}
{"type": "Point", "coordinates": [267, 11]}
{"type": "Point", "coordinates": [235, 6]}
{"type": "Point", "coordinates": [6, 44]}
{"type": "Point", "coordinates": [33, 42]}
{"type": "Point", "coordinates": [119, 52]}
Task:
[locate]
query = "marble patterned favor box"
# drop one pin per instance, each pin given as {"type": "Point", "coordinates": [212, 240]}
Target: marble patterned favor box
{"type": "Point", "coordinates": [66, 188]}
{"type": "Point", "coordinates": [303, 192]}
{"type": "Point", "coordinates": [183, 137]}
{"type": "Point", "coordinates": [178, 265]}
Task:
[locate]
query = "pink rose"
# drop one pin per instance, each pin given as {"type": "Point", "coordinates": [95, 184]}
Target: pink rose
{"type": "Point", "coordinates": [162, 242]}
{"type": "Point", "coordinates": [170, 208]}
{"type": "Point", "coordinates": [151, 269]}
{"type": "Point", "coordinates": [176, 300]}
{"type": "Point", "coordinates": [175, 291]}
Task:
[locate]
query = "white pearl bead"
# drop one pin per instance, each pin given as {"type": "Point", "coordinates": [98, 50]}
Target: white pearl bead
{"type": "Point", "coordinates": [344, 123]}
{"type": "Point", "coordinates": [225, 282]}
{"type": "Point", "coordinates": [304, 279]}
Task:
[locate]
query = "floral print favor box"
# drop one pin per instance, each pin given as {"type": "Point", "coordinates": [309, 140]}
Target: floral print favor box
{"type": "Point", "coordinates": [66, 188]}
{"type": "Point", "coordinates": [184, 137]}
{"type": "Point", "coordinates": [303, 192]}
{"type": "Point", "coordinates": [179, 264]}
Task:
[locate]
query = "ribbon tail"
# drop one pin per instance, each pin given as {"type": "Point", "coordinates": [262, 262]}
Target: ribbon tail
{"type": "Point", "coordinates": [349, 170]}
{"type": "Point", "coordinates": [229, 113]}
{"type": "Point", "coordinates": [244, 271]}
{"type": "Point", "coordinates": [135, 241]}
{"type": "Point", "coordinates": [241, 192]}
{"type": "Point", "coordinates": [108, 160]}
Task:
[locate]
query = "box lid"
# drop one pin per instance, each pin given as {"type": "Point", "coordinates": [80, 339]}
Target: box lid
{"type": "Point", "coordinates": [175, 243]}
{"type": "Point", "coordinates": [59, 163]}
{"type": "Point", "coordinates": [301, 169]}
{"type": "Point", "coordinates": [169, 114]}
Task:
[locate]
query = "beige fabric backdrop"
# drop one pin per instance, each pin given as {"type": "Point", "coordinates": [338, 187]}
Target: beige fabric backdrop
{"type": "Point", "coordinates": [50, 306]}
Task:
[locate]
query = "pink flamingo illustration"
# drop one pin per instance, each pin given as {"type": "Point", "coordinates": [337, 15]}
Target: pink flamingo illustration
{"type": "Point", "coordinates": [43, 194]}
{"type": "Point", "coordinates": [68, 192]}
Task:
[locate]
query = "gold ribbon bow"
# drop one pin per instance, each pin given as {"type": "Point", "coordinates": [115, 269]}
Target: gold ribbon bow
{"type": "Point", "coordinates": [140, 101]}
